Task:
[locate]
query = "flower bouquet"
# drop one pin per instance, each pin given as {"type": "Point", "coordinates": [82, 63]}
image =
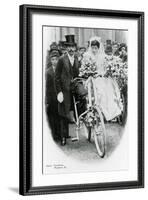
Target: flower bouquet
{"type": "Point", "coordinates": [116, 69]}
{"type": "Point", "coordinates": [88, 67]}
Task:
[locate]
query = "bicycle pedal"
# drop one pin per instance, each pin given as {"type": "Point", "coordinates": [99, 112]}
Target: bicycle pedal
{"type": "Point", "coordinates": [74, 139]}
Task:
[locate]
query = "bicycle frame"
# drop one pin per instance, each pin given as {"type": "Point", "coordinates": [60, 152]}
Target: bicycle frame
{"type": "Point", "coordinates": [89, 84]}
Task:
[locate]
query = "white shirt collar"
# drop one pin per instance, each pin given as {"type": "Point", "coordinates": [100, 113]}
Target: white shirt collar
{"type": "Point", "coordinates": [53, 68]}
{"type": "Point", "coordinates": [71, 58]}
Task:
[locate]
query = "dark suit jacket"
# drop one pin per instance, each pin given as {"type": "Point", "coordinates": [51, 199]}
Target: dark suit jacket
{"type": "Point", "coordinates": [51, 96]}
{"type": "Point", "coordinates": [63, 77]}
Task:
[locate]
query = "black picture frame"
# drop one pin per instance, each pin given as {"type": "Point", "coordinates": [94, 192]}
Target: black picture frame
{"type": "Point", "coordinates": [25, 174]}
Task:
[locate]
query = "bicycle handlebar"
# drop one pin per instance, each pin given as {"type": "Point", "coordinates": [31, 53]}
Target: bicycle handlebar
{"type": "Point", "coordinates": [78, 79]}
{"type": "Point", "coordinates": [95, 74]}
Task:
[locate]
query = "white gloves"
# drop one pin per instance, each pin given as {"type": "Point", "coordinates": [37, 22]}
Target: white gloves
{"type": "Point", "coordinates": [60, 97]}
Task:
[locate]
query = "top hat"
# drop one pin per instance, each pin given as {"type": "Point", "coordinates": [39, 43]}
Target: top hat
{"type": "Point", "coordinates": [108, 42]}
{"type": "Point", "coordinates": [70, 40]}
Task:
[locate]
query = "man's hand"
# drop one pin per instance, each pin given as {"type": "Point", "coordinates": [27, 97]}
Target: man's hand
{"type": "Point", "coordinates": [60, 97]}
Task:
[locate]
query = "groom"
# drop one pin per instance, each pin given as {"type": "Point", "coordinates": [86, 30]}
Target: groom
{"type": "Point", "coordinates": [67, 69]}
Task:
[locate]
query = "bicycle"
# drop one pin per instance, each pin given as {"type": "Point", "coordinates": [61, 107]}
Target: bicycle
{"type": "Point", "coordinates": [92, 118]}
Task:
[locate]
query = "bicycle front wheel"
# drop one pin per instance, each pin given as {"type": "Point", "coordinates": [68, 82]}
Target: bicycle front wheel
{"type": "Point", "coordinates": [99, 132]}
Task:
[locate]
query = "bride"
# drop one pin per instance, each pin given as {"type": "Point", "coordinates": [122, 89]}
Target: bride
{"type": "Point", "coordinates": [107, 89]}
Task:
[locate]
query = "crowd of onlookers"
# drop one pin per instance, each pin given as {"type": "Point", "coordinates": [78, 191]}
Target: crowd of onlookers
{"type": "Point", "coordinates": [111, 48]}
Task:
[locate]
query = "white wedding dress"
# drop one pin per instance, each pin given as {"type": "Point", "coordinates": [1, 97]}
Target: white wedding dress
{"type": "Point", "coordinates": [107, 88]}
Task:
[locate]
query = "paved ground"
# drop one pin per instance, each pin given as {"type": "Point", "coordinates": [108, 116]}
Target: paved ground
{"type": "Point", "coordinates": [84, 150]}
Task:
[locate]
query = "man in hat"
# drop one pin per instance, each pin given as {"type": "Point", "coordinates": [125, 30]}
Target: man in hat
{"type": "Point", "coordinates": [115, 47]}
{"type": "Point", "coordinates": [81, 52]}
{"type": "Point", "coordinates": [109, 50]}
{"type": "Point", "coordinates": [62, 47]}
{"type": "Point", "coordinates": [53, 47]}
{"type": "Point", "coordinates": [67, 69]}
{"type": "Point", "coordinates": [123, 52]}
{"type": "Point", "coordinates": [50, 98]}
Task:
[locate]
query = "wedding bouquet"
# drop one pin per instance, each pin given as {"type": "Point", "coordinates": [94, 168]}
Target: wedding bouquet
{"type": "Point", "coordinates": [88, 66]}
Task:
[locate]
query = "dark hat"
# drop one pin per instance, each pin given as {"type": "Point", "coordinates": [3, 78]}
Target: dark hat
{"type": "Point", "coordinates": [53, 46]}
{"type": "Point", "coordinates": [54, 53]}
{"type": "Point", "coordinates": [61, 43]}
{"type": "Point", "coordinates": [108, 42]}
{"type": "Point", "coordinates": [70, 40]}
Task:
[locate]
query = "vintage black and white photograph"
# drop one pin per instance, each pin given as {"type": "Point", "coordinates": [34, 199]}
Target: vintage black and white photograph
{"type": "Point", "coordinates": [81, 99]}
{"type": "Point", "coordinates": [85, 99]}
